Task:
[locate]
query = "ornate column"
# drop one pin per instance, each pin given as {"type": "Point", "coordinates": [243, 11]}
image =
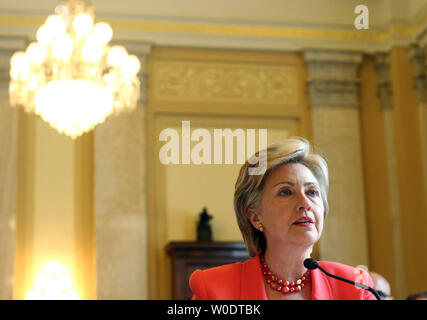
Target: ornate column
{"type": "Point", "coordinates": [8, 168]}
{"type": "Point", "coordinates": [385, 94]}
{"type": "Point", "coordinates": [120, 201]}
{"type": "Point", "coordinates": [333, 93]}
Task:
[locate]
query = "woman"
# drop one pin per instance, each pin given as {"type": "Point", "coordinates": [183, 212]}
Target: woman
{"type": "Point", "coordinates": [281, 215]}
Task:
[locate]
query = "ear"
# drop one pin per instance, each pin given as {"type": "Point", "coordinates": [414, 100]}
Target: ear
{"type": "Point", "coordinates": [254, 218]}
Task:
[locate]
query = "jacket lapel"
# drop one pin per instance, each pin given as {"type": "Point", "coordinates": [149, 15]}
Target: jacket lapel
{"type": "Point", "coordinates": [320, 287]}
{"type": "Point", "coordinates": [252, 281]}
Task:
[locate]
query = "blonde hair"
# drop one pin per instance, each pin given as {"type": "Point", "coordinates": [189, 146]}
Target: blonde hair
{"type": "Point", "coordinates": [249, 188]}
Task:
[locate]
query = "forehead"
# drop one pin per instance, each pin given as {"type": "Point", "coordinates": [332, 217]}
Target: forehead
{"type": "Point", "coordinates": [291, 172]}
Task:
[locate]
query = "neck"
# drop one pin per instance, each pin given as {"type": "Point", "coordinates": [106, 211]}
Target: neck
{"type": "Point", "coordinates": [287, 262]}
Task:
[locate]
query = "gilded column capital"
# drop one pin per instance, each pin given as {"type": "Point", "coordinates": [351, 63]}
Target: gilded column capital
{"type": "Point", "coordinates": [418, 56]}
{"type": "Point", "coordinates": [8, 46]}
{"type": "Point", "coordinates": [384, 90]}
{"type": "Point", "coordinates": [332, 78]}
{"type": "Point", "coordinates": [422, 40]}
{"type": "Point", "coordinates": [142, 50]}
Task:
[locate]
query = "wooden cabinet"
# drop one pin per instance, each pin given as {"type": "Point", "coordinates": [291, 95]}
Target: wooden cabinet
{"type": "Point", "coordinates": [189, 256]}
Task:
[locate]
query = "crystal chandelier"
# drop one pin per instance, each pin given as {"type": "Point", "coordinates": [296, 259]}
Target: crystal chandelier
{"type": "Point", "coordinates": [70, 76]}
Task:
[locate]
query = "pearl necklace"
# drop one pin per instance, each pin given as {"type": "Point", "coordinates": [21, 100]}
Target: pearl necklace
{"type": "Point", "coordinates": [280, 285]}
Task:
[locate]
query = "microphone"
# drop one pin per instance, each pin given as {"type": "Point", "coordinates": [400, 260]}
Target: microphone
{"type": "Point", "coordinates": [312, 264]}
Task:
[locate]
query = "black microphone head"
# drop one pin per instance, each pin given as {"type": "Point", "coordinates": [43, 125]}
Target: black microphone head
{"type": "Point", "coordinates": [311, 264]}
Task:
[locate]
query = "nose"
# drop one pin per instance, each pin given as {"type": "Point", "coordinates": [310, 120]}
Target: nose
{"type": "Point", "coordinates": [303, 203]}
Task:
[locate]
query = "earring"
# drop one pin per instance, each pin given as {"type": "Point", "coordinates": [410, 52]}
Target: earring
{"type": "Point", "coordinates": [260, 227]}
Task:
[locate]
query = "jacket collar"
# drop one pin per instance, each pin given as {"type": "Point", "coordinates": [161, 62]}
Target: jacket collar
{"type": "Point", "coordinates": [252, 282]}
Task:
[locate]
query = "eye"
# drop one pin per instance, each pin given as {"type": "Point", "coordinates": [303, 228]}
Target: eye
{"type": "Point", "coordinates": [313, 193]}
{"type": "Point", "coordinates": [285, 192]}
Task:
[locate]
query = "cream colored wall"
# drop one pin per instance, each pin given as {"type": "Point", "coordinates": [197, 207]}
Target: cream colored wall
{"type": "Point", "coordinates": [52, 212]}
{"type": "Point", "coordinates": [53, 227]}
{"type": "Point", "coordinates": [189, 188]}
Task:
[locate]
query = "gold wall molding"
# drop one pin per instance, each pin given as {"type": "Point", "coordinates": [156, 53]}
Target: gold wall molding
{"type": "Point", "coordinates": [244, 35]}
{"type": "Point", "coordinates": [222, 82]}
{"type": "Point", "coordinates": [379, 34]}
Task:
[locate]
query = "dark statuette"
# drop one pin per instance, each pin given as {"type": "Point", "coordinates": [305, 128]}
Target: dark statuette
{"type": "Point", "coordinates": [204, 231]}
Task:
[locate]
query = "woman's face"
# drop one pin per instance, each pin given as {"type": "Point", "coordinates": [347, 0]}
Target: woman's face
{"type": "Point", "coordinates": [291, 208]}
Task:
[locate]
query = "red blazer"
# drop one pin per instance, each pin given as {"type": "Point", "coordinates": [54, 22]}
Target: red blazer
{"type": "Point", "coordinates": [244, 281]}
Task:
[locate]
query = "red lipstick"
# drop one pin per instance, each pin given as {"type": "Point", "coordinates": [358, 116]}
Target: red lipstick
{"type": "Point", "coordinates": [303, 222]}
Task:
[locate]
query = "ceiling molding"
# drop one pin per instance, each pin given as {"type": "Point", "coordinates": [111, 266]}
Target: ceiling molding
{"type": "Point", "coordinates": [208, 32]}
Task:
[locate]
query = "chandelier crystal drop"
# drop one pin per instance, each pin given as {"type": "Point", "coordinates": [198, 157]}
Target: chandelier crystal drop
{"type": "Point", "coordinates": [70, 76]}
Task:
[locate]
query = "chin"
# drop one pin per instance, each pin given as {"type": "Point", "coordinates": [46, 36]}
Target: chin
{"type": "Point", "coordinates": [311, 239]}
